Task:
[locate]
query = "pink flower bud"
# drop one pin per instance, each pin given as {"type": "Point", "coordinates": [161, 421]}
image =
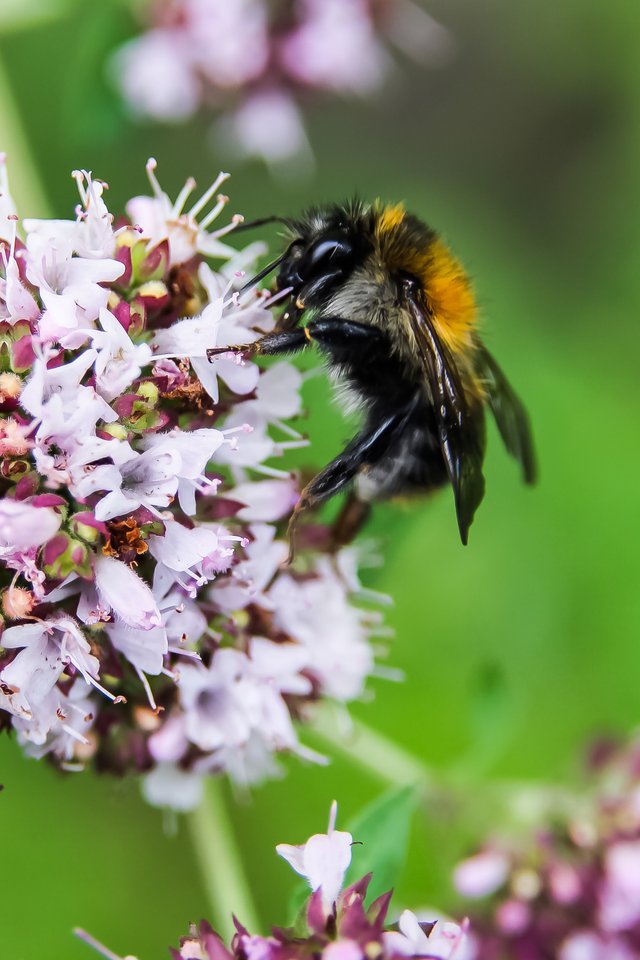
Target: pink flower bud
{"type": "Point", "coordinates": [10, 386]}
{"type": "Point", "coordinates": [17, 603]}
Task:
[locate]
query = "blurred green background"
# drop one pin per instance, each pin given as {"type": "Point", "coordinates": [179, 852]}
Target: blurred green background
{"type": "Point", "coordinates": [524, 153]}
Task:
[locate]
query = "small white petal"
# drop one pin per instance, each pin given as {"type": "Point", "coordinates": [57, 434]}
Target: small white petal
{"type": "Point", "coordinates": [125, 593]}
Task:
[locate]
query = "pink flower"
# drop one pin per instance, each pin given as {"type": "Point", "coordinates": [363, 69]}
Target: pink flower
{"type": "Point", "coordinates": [269, 125]}
{"type": "Point", "coordinates": [213, 701]}
{"type": "Point", "coordinates": [61, 727]}
{"type": "Point", "coordinates": [47, 647]}
{"type": "Point", "coordinates": [588, 945]}
{"type": "Point", "coordinates": [145, 649]}
{"type": "Point", "coordinates": [441, 943]}
{"type": "Point", "coordinates": [91, 234]}
{"type": "Point", "coordinates": [23, 526]}
{"type": "Point", "coordinates": [124, 593]}
{"type": "Point", "coordinates": [158, 219]}
{"type": "Point", "coordinates": [323, 860]}
{"type": "Point", "coordinates": [19, 303]}
{"type": "Point", "coordinates": [155, 74]}
{"type": "Point", "coordinates": [194, 448]}
{"type": "Point", "coordinates": [482, 874]}
{"type": "Point", "coordinates": [335, 47]}
{"type": "Point", "coordinates": [118, 361]}
{"type": "Point", "coordinates": [71, 287]}
{"type": "Point", "coordinates": [148, 480]}
{"type": "Point", "coordinates": [186, 551]}
{"type": "Point", "coordinates": [266, 500]}
{"type": "Point", "coordinates": [228, 41]}
{"type": "Point", "coordinates": [317, 613]}
{"type": "Point", "coordinates": [220, 324]}
{"type": "Point", "coordinates": [169, 786]}
{"type": "Point", "coordinates": [620, 895]}
{"type": "Point", "coordinates": [250, 577]}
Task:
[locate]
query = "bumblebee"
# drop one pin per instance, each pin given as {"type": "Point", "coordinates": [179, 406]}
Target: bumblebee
{"type": "Point", "coordinates": [382, 297]}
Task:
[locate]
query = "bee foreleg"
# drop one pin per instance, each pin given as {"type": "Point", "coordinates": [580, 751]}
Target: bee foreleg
{"type": "Point", "coordinates": [286, 341]}
{"type": "Point", "coordinates": [339, 337]}
{"type": "Point", "coordinates": [333, 335]}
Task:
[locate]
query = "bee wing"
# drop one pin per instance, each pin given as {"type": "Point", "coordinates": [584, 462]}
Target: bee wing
{"type": "Point", "coordinates": [460, 426]}
{"type": "Point", "coordinates": [510, 415]}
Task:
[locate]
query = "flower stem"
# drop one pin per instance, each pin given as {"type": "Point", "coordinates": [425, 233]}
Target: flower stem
{"type": "Point", "coordinates": [220, 863]}
{"type": "Point", "coordinates": [373, 752]}
{"type": "Point", "coordinates": [26, 188]}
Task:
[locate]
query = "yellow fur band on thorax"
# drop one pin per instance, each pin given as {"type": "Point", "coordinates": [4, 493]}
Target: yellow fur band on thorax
{"type": "Point", "coordinates": [445, 284]}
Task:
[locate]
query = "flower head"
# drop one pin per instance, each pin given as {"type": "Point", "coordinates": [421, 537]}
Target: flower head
{"type": "Point", "coordinates": [570, 889]}
{"type": "Point", "coordinates": [140, 540]}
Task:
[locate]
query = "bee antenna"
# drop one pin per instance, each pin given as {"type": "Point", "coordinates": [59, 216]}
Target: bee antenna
{"type": "Point", "coordinates": [270, 267]}
{"type": "Point", "coordinates": [260, 223]}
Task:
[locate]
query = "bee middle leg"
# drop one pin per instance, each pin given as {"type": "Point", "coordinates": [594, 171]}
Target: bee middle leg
{"type": "Point", "coordinates": [366, 449]}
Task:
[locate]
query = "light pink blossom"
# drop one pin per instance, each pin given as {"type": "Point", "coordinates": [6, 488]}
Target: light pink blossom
{"type": "Point", "coordinates": [159, 219]}
{"type": "Point", "coordinates": [195, 448]}
{"type": "Point", "coordinates": [156, 75]}
{"type": "Point", "coordinates": [323, 860]}
{"type": "Point", "coordinates": [267, 124]}
{"type": "Point", "coordinates": [23, 526]}
{"type": "Point", "coordinates": [125, 594]}
{"type": "Point", "coordinates": [118, 361]}
{"type": "Point", "coordinates": [441, 943]}
{"type": "Point", "coordinates": [335, 47]}
{"type": "Point", "coordinates": [620, 897]}
{"type": "Point", "coordinates": [318, 614]}
{"type": "Point", "coordinates": [482, 874]}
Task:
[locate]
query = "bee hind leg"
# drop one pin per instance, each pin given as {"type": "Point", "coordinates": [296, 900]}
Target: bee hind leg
{"type": "Point", "coordinates": [349, 522]}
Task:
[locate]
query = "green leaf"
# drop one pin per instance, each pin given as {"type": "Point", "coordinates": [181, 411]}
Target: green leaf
{"type": "Point", "coordinates": [381, 832]}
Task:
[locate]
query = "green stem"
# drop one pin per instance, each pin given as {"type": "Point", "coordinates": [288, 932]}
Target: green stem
{"type": "Point", "coordinates": [373, 752]}
{"type": "Point", "coordinates": [26, 188]}
{"type": "Point", "coordinates": [220, 863]}
{"type": "Point", "coordinates": [387, 761]}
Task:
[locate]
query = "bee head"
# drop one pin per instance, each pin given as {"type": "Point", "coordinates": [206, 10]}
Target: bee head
{"type": "Point", "coordinates": [326, 247]}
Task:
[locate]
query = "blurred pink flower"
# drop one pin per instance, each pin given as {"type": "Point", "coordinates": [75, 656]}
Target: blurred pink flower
{"type": "Point", "coordinates": [250, 60]}
{"type": "Point", "coordinates": [335, 47]}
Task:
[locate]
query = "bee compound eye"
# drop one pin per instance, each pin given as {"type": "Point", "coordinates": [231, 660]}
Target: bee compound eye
{"type": "Point", "coordinates": [327, 251]}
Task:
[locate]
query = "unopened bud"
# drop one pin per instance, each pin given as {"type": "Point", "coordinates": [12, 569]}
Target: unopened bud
{"type": "Point", "coordinates": [17, 603]}
{"type": "Point", "coordinates": [10, 386]}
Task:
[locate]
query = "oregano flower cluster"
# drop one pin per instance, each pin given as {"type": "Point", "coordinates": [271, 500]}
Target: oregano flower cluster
{"type": "Point", "coordinates": [148, 622]}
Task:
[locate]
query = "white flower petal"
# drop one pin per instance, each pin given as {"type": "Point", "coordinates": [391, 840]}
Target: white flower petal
{"type": "Point", "coordinates": [125, 593]}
